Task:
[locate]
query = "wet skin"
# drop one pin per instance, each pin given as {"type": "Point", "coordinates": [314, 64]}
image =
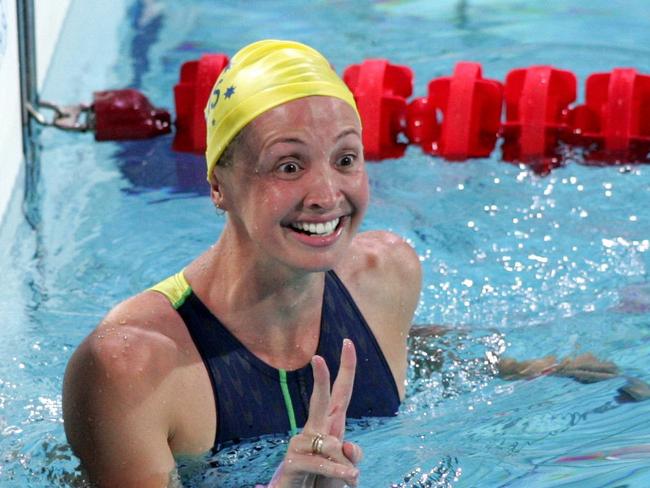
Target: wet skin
{"type": "Point", "coordinates": [300, 163]}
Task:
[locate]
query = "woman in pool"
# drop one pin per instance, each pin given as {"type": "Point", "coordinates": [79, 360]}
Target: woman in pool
{"type": "Point", "coordinates": [242, 341]}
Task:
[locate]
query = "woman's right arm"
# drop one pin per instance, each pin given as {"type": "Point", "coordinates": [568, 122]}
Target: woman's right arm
{"type": "Point", "coordinates": [115, 409]}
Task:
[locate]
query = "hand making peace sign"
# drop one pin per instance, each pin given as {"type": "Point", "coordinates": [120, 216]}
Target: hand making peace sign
{"type": "Point", "coordinates": [318, 456]}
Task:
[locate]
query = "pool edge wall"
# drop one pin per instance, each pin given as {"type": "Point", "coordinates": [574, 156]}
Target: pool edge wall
{"type": "Point", "coordinates": [49, 18]}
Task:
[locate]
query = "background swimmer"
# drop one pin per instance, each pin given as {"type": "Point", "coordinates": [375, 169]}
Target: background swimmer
{"type": "Point", "coordinates": [584, 368]}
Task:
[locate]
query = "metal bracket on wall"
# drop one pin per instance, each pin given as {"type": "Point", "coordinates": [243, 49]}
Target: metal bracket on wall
{"type": "Point", "coordinates": [29, 98]}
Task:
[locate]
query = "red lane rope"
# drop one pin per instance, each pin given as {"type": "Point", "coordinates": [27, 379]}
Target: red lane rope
{"type": "Point", "coordinates": [465, 115]}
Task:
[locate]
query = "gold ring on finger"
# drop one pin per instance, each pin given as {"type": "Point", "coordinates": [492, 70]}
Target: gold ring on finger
{"type": "Point", "coordinates": [317, 444]}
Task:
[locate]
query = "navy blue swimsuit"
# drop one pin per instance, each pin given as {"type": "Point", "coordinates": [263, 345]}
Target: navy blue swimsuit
{"type": "Point", "coordinates": [254, 399]}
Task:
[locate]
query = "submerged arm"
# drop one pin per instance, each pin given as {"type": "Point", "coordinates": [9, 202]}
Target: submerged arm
{"type": "Point", "coordinates": [585, 368]}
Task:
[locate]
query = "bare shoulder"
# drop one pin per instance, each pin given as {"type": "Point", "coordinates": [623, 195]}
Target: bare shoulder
{"type": "Point", "coordinates": [383, 261]}
{"type": "Point", "coordinates": [384, 275]}
{"type": "Point", "coordinates": [135, 341]}
{"type": "Point", "coordinates": [119, 387]}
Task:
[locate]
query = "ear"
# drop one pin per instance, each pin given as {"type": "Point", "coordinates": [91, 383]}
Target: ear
{"type": "Point", "coordinates": [216, 194]}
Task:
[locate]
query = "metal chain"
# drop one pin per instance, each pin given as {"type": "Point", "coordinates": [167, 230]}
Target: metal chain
{"type": "Point", "coordinates": [75, 118]}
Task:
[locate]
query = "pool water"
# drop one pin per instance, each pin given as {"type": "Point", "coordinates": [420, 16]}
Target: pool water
{"type": "Point", "coordinates": [515, 264]}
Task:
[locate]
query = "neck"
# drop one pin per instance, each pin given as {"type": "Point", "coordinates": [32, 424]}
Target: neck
{"type": "Point", "coordinates": [244, 279]}
{"type": "Point", "coordinates": [274, 311]}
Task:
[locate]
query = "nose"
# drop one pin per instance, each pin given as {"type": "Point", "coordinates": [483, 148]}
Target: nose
{"type": "Point", "coordinates": [324, 191]}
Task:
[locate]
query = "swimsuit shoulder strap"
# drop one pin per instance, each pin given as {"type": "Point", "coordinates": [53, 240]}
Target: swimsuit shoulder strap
{"type": "Point", "coordinates": [175, 288]}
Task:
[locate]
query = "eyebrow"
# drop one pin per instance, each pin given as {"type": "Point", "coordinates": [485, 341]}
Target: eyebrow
{"type": "Point", "coordinates": [287, 140]}
{"type": "Point", "coordinates": [347, 132]}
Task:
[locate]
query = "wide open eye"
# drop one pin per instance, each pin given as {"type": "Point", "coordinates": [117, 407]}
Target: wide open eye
{"type": "Point", "coordinates": [288, 167]}
{"type": "Point", "coordinates": [347, 160]}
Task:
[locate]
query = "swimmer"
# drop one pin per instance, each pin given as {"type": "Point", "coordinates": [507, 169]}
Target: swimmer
{"type": "Point", "coordinates": [583, 368]}
{"type": "Point", "coordinates": [243, 341]}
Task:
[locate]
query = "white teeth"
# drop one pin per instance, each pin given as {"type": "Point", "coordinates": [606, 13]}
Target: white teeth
{"type": "Point", "coordinates": [321, 228]}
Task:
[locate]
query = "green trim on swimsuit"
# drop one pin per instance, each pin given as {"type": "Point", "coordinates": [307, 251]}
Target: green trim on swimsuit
{"type": "Point", "coordinates": [175, 288]}
{"type": "Point", "coordinates": [287, 401]}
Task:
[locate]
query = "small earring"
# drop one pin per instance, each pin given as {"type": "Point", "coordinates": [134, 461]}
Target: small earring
{"type": "Point", "coordinates": [220, 211]}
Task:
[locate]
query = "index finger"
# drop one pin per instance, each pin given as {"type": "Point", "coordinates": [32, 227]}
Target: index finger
{"type": "Point", "coordinates": [320, 397]}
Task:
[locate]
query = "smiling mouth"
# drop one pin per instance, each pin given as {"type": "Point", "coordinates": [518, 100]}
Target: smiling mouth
{"type": "Point", "coordinates": [320, 229]}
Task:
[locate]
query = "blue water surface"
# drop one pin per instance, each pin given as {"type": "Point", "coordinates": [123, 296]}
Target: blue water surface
{"type": "Point", "coordinates": [515, 264]}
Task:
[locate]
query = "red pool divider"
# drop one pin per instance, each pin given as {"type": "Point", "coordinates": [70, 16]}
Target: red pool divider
{"type": "Point", "coordinates": [127, 114]}
{"type": "Point", "coordinates": [469, 109]}
{"type": "Point", "coordinates": [537, 103]}
{"type": "Point", "coordinates": [614, 123]}
{"type": "Point", "coordinates": [191, 95]}
{"type": "Point", "coordinates": [380, 90]}
{"type": "Point", "coordinates": [461, 116]}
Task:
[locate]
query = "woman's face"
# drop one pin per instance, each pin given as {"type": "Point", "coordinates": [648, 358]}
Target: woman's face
{"type": "Point", "coordinates": [297, 189]}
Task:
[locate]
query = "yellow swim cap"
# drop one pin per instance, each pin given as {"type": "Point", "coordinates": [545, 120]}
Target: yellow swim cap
{"type": "Point", "coordinates": [261, 76]}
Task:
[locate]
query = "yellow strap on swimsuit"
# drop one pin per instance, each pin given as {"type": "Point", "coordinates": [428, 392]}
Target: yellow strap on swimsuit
{"type": "Point", "coordinates": [175, 288]}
